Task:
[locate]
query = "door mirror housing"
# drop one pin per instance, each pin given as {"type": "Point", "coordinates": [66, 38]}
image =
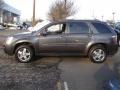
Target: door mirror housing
{"type": "Point", "coordinates": [43, 33]}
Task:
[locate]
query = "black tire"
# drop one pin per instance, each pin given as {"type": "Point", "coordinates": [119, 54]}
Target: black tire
{"type": "Point", "coordinates": [96, 58]}
{"type": "Point", "coordinates": [28, 51]}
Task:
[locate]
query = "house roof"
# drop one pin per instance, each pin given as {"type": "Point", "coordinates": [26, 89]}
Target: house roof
{"type": "Point", "coordinates": [11, 9]}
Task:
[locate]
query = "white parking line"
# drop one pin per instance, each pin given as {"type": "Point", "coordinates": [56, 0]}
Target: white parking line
{"type": "Point", "coordinates": [65, 85]}
{"type": "Point", "coordinates": [59, 85]}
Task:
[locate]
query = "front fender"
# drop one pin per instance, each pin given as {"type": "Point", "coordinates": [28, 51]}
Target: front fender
{"type": "Point", "coordinates": [32, 43]}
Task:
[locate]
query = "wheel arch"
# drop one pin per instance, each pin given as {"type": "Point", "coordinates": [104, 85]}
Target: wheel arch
{"type": "Point", "coordinates": [24, 43]}
{"type": "Point", "coordinates": [96, 44]}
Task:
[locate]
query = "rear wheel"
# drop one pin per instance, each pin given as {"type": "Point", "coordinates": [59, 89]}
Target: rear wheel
{"type": "Point", "coordinates": [24, 54]}
{"type": "Point", "coordinates": [97, 54]}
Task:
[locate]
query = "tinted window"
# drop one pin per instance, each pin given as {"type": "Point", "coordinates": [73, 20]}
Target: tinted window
{"type": "Point", "coordinates": [101, 28]}
{"type": "Point", "coordinates": [78, 27]}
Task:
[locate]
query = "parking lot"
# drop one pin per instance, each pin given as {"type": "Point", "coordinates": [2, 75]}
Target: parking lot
{"type": "Point", "coordinates": [36, 75]}
{"type": "Point", "coordinates": [56, 73]}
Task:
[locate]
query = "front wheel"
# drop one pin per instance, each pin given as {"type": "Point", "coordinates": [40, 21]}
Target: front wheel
{"type": "Point", "coordinates": [24, 54]}
{"type": "Point", "coordinates": [97, 54]}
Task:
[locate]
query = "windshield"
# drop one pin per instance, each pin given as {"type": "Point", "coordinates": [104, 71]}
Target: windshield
{"type": "Point", "coordinates": [39, 25]}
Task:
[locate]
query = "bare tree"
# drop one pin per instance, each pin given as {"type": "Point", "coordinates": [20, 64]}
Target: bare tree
{"type": "Point", "coordinates": [61, 9]}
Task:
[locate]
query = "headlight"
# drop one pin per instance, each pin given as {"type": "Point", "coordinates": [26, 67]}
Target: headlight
{"type": "Point", "coordinates": [9, 40]}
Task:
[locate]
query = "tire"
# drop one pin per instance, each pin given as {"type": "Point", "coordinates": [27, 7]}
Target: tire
{"type": "Point", "coordinates": [24, 54]}
{"type": "Point", "coordinates": [97, 54]}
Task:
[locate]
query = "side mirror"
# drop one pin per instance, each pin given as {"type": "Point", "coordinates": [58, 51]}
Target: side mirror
{"type": "Point", "coordinates": [43, 33]}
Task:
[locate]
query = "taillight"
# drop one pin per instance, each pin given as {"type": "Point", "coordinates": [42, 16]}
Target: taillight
{"type": "Point", "coordinates": [115, 39]}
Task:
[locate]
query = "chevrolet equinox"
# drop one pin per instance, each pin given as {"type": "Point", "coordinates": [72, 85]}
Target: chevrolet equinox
{"type": "Point", "coordinates": [91, 38]}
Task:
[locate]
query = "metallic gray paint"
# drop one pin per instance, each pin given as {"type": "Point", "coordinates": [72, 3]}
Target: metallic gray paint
{"type": "Point", "coordinates": [63, 43]}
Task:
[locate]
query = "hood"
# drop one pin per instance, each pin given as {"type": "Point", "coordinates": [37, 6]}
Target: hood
{"type": "Point", "coordinates": [23, 34]}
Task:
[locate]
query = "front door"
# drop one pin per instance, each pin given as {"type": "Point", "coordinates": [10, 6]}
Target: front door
{"type": "Point", "coordinates": [53, 41]}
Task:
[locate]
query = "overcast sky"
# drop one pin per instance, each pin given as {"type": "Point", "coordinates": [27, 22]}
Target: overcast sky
{"type": "Point", "coordinates": [87, 9]}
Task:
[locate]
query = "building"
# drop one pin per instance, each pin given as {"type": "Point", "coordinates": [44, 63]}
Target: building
{"type": "Point", "coordinates": [9, 14]}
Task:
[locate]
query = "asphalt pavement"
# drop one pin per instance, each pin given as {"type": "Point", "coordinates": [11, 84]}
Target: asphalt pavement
{"type": "Point", "coordinates": [37, 75]}
{"type": "Point", "coordinates": [56, 73]}
{"type": "Point", "coordinates": [80, 74]}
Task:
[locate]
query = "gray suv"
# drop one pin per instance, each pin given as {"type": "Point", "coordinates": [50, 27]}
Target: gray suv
{"type": "Point", "coordinates": [90, 38]}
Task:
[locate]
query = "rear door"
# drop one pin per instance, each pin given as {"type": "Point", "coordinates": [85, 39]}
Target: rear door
{"type": "Point", "coordinates": [78, 36]}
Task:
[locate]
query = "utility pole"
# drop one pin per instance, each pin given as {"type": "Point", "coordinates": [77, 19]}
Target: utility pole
{"type": "Point", "coordinates": [65, 6]}
{"type": "Point", "coordinates": [33, 19]}
{"type": "Point", "coordinates": [93, 14]}
{"type": "Point", "coordinates": [102, 18]}
{"type": "Point", "coordinates": [113, 17]}
{"type": "Point", "coordinates": [65, 3]}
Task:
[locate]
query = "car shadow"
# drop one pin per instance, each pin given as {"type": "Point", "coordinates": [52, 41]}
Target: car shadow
{"type": "Point", "coordinates": [104, 74]}
{"type": "Point", "coordinates": [46, 62]}
{"type": "Point", "coordinates": [29, 76]}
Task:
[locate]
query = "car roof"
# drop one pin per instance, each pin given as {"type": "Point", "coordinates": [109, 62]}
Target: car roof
{"type": "Point", "coordinates": [71, 20]}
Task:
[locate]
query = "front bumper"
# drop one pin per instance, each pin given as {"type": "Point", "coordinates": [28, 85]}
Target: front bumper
{"type": "Point", "coordinates": [8, 50]}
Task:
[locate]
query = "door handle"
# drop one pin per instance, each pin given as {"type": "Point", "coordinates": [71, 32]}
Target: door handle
{"type": "Point", "coordinates": [89, 35]}
{"type": "Point", "coordinates": [61, 36]}
{"type": "Point", "coordinates": [77, 40]}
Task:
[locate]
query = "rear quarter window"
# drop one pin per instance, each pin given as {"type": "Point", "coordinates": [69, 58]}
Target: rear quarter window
{"type": "Point", "coordinates": [101, 28]}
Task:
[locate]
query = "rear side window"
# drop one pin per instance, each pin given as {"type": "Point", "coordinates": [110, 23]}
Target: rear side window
{"type": "Point", "coordinates": [101, 28]}
{"type": "Point", "coordinates": [78, 27]}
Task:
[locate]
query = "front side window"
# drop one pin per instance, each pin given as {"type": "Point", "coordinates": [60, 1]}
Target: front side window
{"type": "Point", "coordinates": [101, 28]}
{"type": "Point", "coordinates": [78, 27]}
{"type": "Point", "coordinates": [57, 28]}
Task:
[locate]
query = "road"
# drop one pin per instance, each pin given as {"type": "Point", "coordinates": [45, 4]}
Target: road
{"type": "Point", "coordinates": [37, 75]}
{"type": "Point", "coordinates": [56, 73]}
{"type": "Point", "coordinates": [80, 74]}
